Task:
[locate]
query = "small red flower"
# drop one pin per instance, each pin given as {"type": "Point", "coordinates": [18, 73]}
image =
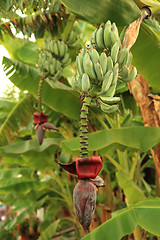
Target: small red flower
{"type": "Point", "coordinates": [14, 234]}
{"type": "Point", "coordinates": [84, 193]}
{"type": "Point", "coordinates": [40, 120]}
{"type": "Point", "coordinates": [18, 227]}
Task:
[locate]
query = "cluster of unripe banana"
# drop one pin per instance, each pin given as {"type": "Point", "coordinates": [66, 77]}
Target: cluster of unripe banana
{"type": "Point", "coordinates": [73, 41]}
{"type": "Point", "coordinates": [53, 58]}
{"type": "Point", "coordinates": [101, 65]}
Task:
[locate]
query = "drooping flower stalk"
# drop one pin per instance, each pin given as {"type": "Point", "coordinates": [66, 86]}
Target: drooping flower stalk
{"type": "Point", "coordinates": [84, 126]}
{"type": "Point", "coordinates": [40, 93]}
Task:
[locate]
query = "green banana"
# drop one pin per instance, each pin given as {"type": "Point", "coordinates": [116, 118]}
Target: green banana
{"type": "Point", "coordinates": [129, 59]}
{"type": "Point", "coordinates": [107, 82]}
{"type": "Point", "coordinates": [110, 100]}
{"type": "Point", "coordinates": [79, 83]}
{"type": "Point", "coordinates": [93, 38]}
{"type": "Point", "coordinates": [115, 29]}
{"type": "Point", "coordinates": [66, 60]}
{"type": "Point", "coordinates": [76, 44]}
{"type": "Point", "coordinates": [109, 108]}
{"type": "Point", "coordinates": [61, 48]}
{"type": "Point", "coordinates": [55, 48]}
{"type": "Point", "coordinates": [113, 38]}
{"type": "Point", "coordinates": [111, 91]}
{"type": "Point", "coordinates": [65, 48]}
{"type": "Point", "coordinates": [94, 55]}
{"type": "Point", "coordinates": [107, 30]}
{"type": "Point", "coordinates": [51, 69]}
{"type": "Point", "coordinates": [99, 37]}
{"type": "Point", "coordinates": [85, 82]}
{"type": "Point", "coordinates": [115, 73]}
{"type": "Point", "coordinates": [57, 75]}
{"type": "Point", "coordinates": [57, 65]}
{"type": "Point", "coordinates": [103, 62]}
{"type": "Point", "coordinates": [45, 44]}
{"type": "Point", "coordinates": [114, 52]}
{"type": "Point", "coordinates": [109, 63]}
{"type": "Point", "coordinates": [88, 66]}
{"type": "Point", "coordinates": [73, 82]}
{"type": "Point", "coordinates": [131, 75]}
{"type": "Point", "coordinates": [79, 64]}
{"type": "Point", "coordinates": [79, 70]}
{"type": "Point", "coordinates": [125, 72]}
{"type": "Point", "coordinates": [71, 38]}
{"type": "Point", "coordinates": [122, 54]}
{"type": "Point", "coordinates": [98, 70]}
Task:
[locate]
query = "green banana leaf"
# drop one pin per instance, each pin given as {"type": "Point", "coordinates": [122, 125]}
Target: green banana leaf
{"type": "Point", "coordinates": [26, 52]}
{"type": "Point", "coordinates": [56, 95]}
{"type": "Point", "coordinates": [146, 58]}
{"type": "Point", "coordinates": [6, 105]}
{"type": "Point", "coordinates": [14, 172]}
{"type": "Point", "coordinates": [146, 214]}
{"type": "Point", "coordinates": [115, 228]}
{"type": "Point", "coordinates": [50, 231]}
{"type": "Point", "coordinates": [21, 112]}
{"type": "Point", "coordinates": [30, 154]}
{"type": "Point", "coordinates": [137, 138]}
{"type": "Point", "coordinates": [122, 12]}
{"type": "Point", "coordinates": [133, 193]}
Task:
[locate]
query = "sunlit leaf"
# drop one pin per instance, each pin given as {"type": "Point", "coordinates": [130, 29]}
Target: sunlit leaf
{"type": "Point", "coordinates": [133, 193]}
{"type": "Point", "coordinates": [115, 228]}
{"type": "Point", "coordinates": [49, 232]}
{"type": "Point", "coordinates": [137, 138]}
{"type": "Point", "coordinates": [122, 12]}
{"type": "Point", "coordinates": [16, 118]}
{"type": "Point", "coordinates": [148, 215]}
{"type": "Point", "coordinates": [56, 95]}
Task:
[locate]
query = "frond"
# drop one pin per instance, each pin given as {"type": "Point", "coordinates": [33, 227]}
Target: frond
{"type": "Point", "coordinates": [16, 118]}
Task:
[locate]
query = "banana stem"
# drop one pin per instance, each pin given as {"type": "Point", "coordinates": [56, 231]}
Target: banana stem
{"type": "Point", "coordinates": [84, 126]}
{"type": "Point", "coordinates": [40, 93]}
{"type": "Point", "coordinates": [68, 27]}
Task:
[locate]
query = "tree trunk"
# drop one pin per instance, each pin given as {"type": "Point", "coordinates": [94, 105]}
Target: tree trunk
{"type": "Point", "coordinates": [149, 107]}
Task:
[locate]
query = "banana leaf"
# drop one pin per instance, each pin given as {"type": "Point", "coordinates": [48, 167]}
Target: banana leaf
{"type": "Point", "coordinates": [145, 214]}
{"type": "Point", "coordinates": [59, 97]}
{"type": "Point", "coordinates": [136, 138]}
{"type": "Point", "coordinates": [20, 113]}
{"type": "Point", "coordinates": [122, 12]}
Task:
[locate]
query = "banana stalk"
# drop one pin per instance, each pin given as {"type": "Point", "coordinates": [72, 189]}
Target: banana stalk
{"type": "Point", "coordinates": [84, 126]}
{"type": "Point", "coordinates": [40, 93]}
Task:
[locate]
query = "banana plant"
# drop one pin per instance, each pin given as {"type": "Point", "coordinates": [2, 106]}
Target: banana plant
{"type": "Point", "coordinates": [45, 69]}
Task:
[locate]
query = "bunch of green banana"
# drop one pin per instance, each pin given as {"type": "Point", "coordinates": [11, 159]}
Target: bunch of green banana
{"type": "Point", "coordinates": [58, 49]}
{"type": "Point", "coordinates": [105, 36]}
{"type": "Point", "coordinates": [96, 66]}
{"type": "Point", "coordinates": [73, 41]}
{"type": "Point", "coordinates": [101, 65]}
{"type": "Point", "coordinates": [49, 65]}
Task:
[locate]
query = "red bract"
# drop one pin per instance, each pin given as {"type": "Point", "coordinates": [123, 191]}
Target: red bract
{"type": "Point", "coordinates": [86, 167]}
{"type": "Point", "coordinates": [39, 119]}
{"type": "Point", "coordinates": [41, 125]}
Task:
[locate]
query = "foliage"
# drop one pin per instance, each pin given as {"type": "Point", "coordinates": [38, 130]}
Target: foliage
{"type": "Point", "coordinates": [30, 178]}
